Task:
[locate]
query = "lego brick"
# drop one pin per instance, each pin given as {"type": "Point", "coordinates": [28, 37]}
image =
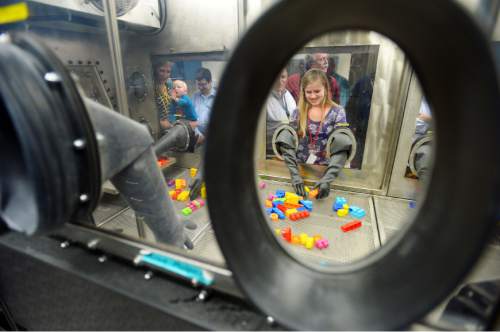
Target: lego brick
{"type": "Point", "coordinates": [280, 193]}
{"type": "Point", "coordinates": [193, 171]}
{"type": "Point", "coordinates": [357, 212]}
{"type": "Point", "coordinates": [351, 225]}
{"type": "Point", "coordinates": [322, 244]}
{"type": "Point", "coordinates": [342, 212]}
{"type": "Point", "coordinates": [309, 243]}
{"type": "Point", "coordinates": [187, 211]}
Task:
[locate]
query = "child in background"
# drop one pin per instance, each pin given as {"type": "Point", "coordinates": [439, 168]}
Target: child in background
{"type": "Point", "coordinates": [181, 107]}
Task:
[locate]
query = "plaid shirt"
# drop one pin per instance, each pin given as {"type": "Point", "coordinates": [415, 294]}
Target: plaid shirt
{"type": "Point", "coordinates": [163, 100]}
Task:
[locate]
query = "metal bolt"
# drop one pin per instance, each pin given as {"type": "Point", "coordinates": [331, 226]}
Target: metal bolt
{"type": "Point", "coordinates": [102, 259]}
{"type": "Point", "coordinates": [79, 144]}
{"type": "Point", "coordinates": [202, 296]}
{"type": "Point", "coordinates": [148, 275]}
{"type": "Point", "coordinates": [84, 198]}
{"type": "Point", "coordinates": [52, 77]}
{"type": "Point", "coordinates": [92, 244]}
{"type": "Point", "coordinates": [270, 320]}
{"type": "Point", "coordinates": [64, 244]}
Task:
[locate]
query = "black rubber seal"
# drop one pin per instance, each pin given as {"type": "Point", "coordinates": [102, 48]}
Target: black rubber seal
{"type": "Point", "coordinates": [409, 276]}
{"type": "Point", "coordinates": [46, 174]}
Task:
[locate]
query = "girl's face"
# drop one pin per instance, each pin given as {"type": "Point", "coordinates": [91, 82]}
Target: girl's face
{"type": "Point", "coordinates": [314, 93]}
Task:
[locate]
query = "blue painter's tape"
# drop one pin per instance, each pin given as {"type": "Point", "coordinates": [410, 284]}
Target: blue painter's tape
{"type": "Point", "coordinates": [186, 270]}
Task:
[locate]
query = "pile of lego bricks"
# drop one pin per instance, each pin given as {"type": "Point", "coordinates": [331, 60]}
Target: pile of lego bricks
{"type": "Point", "coordinates": [283, 204]}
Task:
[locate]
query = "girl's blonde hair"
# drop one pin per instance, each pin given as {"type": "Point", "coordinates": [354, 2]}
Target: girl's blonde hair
{"type": "Point", "coordinates": [312, 75]}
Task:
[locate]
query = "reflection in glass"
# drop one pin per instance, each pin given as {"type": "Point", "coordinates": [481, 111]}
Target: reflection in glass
{"type": "Point", "coordinates": [317, 118]}
{"type": "Point", "coordinates": [421, 152]}
{"type": "Point", "coordinates": [350, 71]}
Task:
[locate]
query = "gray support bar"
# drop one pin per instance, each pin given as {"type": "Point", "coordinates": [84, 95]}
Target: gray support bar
{"type": "Point", "coordinates": [116, 55]}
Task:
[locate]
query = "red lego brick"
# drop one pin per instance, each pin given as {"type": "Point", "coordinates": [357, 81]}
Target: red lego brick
{"type": "Point", "coordinates": [351, 225]}
{"type": "Point", "coordinates": [287, 234]}
{"type": "Point", "coordinates": [281, 207]}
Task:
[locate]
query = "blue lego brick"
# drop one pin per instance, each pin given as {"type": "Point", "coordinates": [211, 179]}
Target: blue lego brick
{"type": "Point", "coordinates": [280, 193]}
{"type": "Point", "coordinates": [269, 210]}
{"type": "Point", "coordinates": [412, 204]}
{"type": "Point", "coordinates": [307, 204]}
{"type": "Point", "coordinates": [280, 214]}
{"type": "Point", "coordinates": [302, 208]}
{"type": "Point", "coordinates": [357, 212]}
{"type": "Point", "coordinates": [339, 203]}
{"type": "Point", "coordinates": [276, 203]}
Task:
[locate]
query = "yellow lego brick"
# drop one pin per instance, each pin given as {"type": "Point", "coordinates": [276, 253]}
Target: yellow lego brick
{"type": "Point", "coordinates": [309, 243]}
{"type": "Point", "coordinates": [342, 212]}
{"type": "Point", "coordinates": [289, 212]}
{"type": "Point", "coordinates": [307, 189]}
{"type": "Point", "coordinates": [313, 193]}
{"type": "Point", "coordinates": [274, 217]}
{"type": "Point", "coordinates": [180, 183]}
{"type": "Point", "coordinates": [203, 192]}
{"type": "Point", "coordinates": [303, 238]}
{"type": "Point", "coordinates": [193, 171]}
{"type": "Point", "coordinates": [183, 196]}
{"type": "Point", "coordinates": [269, 204]}
{"type": "Point", "coordinates": [345, 207]}
{"type": "Point", "coordinates": [292, 200]}
{"type": "Point", "coordinates": [277, 231]}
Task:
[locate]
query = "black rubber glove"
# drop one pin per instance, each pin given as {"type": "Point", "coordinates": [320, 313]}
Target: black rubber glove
{"type": "Point", "coordinates": [323, 189]}
{"type": "Point", "coordinates": [290, 157]}
{"type": "Point", "coordinates": [195, 186]}
{"type": "Point", "coordinates": [176, 137]}
{"type": "Point", "coordinates": [188, 224]}
{"type": "Point", "coordinates": [188, 244]}
{"type": "Point", "coordinates": [337, 162]}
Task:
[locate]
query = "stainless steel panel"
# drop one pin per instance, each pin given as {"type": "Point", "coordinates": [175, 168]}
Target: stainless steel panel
{"type": "Point", "coordinates": [145, 13]}
{"type": "Point", "coordinates": [109, 205]}
{"type": "Point", "coordinates": [393, 215]}
{"type": "Point", "coordinates": [83, 50]}
{"type": "Point", "coordinates": [192, 26]}
{"type": "Point", "coordinates": [401, 186]}
{"type": "Point", "coordinates": [206, 247]}
{"type": "Point", "coordinates": [124, 223]}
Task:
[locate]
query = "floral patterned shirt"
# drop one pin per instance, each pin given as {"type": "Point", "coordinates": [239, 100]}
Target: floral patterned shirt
{"type": "Point", "coordinates": [334, 119]}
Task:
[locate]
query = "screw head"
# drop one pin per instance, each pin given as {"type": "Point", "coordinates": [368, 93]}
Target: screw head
{"type": "Point", "coordinates": [84, 198]}
{"type": "Point", "coordinates": [64, 244]}
{"type": "Point", "coordinates": [202, 296]}
{"type": "Point", "coordinates": [92, 244]}
{"type": "Point", "coordinates": [148, 275]}
{"type": "Point", "coordinates": [270, 320]}
{"type": "Point", "coordinates": [79, 144]}
{"type": "Point", "coordinates": [52, 77]}
{"type": "Point", "coordinates": [102, 259]}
